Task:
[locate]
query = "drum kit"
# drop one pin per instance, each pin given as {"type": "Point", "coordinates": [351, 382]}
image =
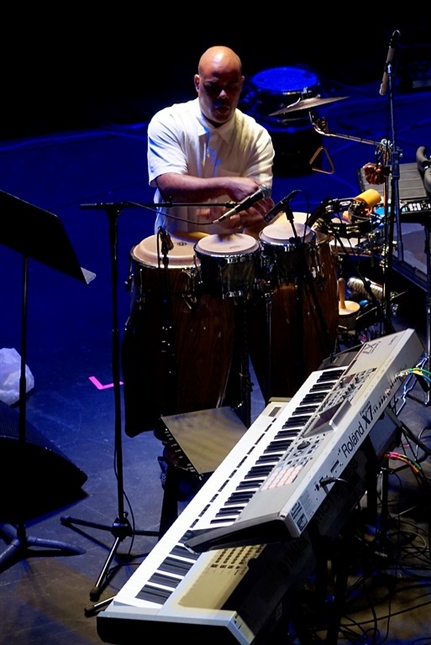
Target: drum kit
{"type": "Point", "coordinates": [202, 309]}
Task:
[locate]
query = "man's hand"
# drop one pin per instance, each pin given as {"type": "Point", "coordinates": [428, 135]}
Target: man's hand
{"type": "Point", "coordinates": [252, 217]}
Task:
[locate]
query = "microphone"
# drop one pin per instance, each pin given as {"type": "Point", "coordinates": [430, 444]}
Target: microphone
{"type": "Point", "coordinates": [281, 206]}
{"type": "Point", "coordinates": [322, 211]}
{"type": "Point", "coordinates": [389, 59]}
{"type": "Point", "coordinates": [263, 192]}
{"type": "Point", "coordinates": [427, 181]}
{"type": "Point", "coordinates": [357, 285]}
{"type": "Point", "coordinates": [422, 160]}
{"type": "Point", "coordinates": [424, 168]}
{"type": "Point", "coordinates": [167, 244]}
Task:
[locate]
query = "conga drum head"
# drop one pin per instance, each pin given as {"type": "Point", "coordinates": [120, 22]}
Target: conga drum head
{"type": "Point", "coordinates": [227, 246]}
{"type": "Point", "coordinates": [149, 252]}
{"type": "Point", "coordinates": [282, 232]}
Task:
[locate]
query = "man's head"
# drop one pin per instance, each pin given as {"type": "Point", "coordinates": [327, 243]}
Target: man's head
{"type": "Point", "coordinates": [219, 83]}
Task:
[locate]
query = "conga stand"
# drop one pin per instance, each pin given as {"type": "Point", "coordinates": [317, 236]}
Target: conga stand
{"type": "Point", "coordinates": [121, 527]}
{"type": "Point", "coordinates": [36, 234]}
{"type": "Point", "coordinates": [164, 245]}
{"type": "Point", "coordinates": [244, 408]}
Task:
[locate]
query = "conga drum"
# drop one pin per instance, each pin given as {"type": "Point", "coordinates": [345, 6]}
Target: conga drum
{"type": "Point", "coordinates": [178, 340]}
{"type": "Point", "coordinates": [228, 268]}
{"type": "Point", "coordinates": [228, 264]}
{"type": "Point", "coordinates": [293, 322]}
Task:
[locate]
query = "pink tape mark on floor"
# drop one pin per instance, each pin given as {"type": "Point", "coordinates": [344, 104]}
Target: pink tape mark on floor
{"type": "Point", "coordinates": [99, 385]}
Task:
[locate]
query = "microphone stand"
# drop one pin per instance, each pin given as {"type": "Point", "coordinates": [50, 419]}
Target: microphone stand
{"type": "Point", "coordinates": [121, 527]}
{"type": "Point", "coordinates": [394, 211]}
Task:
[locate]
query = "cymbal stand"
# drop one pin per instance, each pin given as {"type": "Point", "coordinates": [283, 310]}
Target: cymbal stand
{"type": "Point", "coordinates": [121, 527]}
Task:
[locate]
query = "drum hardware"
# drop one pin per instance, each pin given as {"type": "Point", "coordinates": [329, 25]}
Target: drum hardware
{"type": "Point", "coordinates": [308, 104]}
{"type": "Point", "coordinates": [271, 89]}
{"type": "Point", "coordinates": [350, 217]}
{"type": "Point", "coordinates": [293, 138]}
{"type": "Point", "coordinates": [424, 166]}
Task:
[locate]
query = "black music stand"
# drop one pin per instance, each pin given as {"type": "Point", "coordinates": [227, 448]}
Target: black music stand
{"type": "Point", "coordinates": [40, 235]}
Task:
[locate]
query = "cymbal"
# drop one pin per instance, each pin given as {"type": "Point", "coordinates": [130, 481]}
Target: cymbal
{"type": "Point", "coordinates": [308, 104]}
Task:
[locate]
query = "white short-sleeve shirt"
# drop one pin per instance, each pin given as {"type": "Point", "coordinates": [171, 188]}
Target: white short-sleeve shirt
{"type": "Point", "coordinates": [181, 140]}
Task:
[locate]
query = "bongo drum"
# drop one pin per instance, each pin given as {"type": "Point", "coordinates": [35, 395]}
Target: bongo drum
{"type": "Point", "coordinates": [177, 346]}
{"type": "Point", "coordinates": [293, 328]}
{"type": "Point", "coordinates": [228, 264]}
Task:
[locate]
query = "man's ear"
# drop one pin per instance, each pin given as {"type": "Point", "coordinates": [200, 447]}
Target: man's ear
{"type": "Point", "coordinates": [197, 81]}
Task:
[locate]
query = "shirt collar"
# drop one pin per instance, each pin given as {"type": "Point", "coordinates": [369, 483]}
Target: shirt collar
{"type": "Point", "coordinates": [224, 131]}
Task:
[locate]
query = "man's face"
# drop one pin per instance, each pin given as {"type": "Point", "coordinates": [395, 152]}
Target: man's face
{"type": "Point", "coordinates": [219, 89]}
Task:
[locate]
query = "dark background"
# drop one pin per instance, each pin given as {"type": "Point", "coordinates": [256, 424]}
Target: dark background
{"type": "Point", "coordinates": [65, 69]}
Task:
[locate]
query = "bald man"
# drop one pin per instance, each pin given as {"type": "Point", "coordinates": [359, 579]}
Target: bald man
{"type": "Point", "coordinates": [206, 150]}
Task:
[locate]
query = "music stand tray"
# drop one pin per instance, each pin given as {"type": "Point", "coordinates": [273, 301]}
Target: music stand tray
{"type": "Point", "coordinates": [40, 235]}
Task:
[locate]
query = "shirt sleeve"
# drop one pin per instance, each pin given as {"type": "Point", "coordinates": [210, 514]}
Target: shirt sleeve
{"type": "Point", "coordinates": [165, 152]}
{"type": "Point", "coordinates": [261, 159]}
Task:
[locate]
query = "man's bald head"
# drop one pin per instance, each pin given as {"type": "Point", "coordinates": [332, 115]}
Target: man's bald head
{"type": "Point", "coordinates": [220, 57]}
{"type": "Point", "coordinates": [219, 83]}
